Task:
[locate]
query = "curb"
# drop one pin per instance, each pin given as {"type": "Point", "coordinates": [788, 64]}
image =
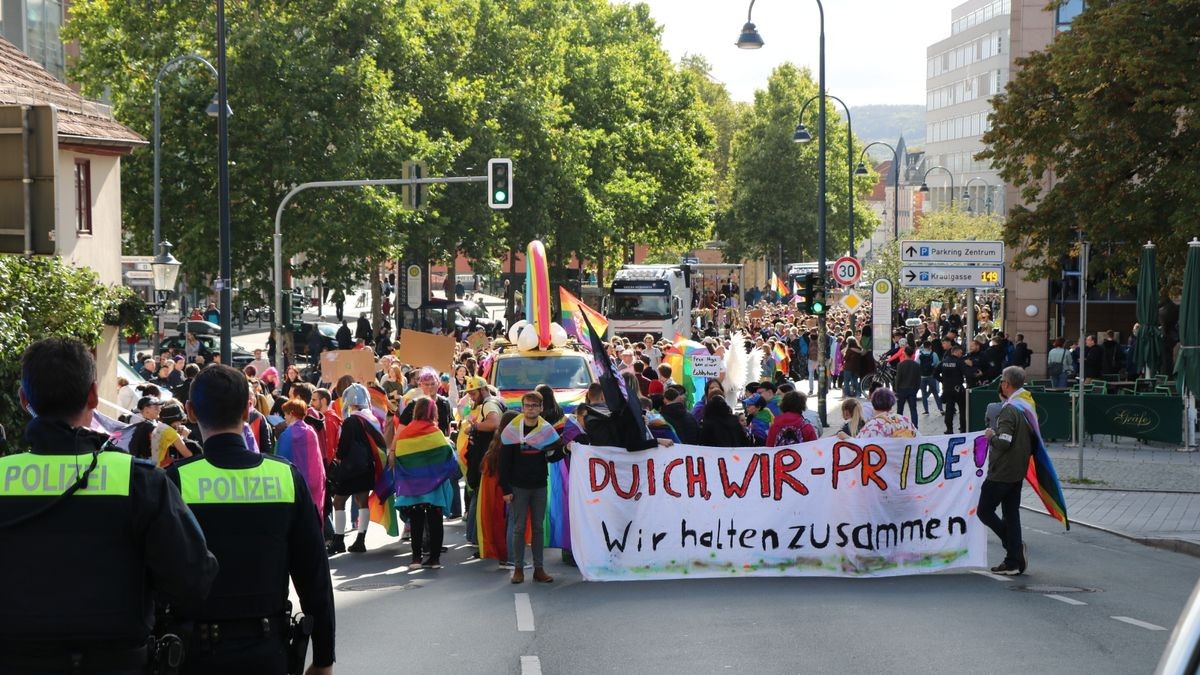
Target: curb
{"type": "Point", "coordinates": [1183, 546]}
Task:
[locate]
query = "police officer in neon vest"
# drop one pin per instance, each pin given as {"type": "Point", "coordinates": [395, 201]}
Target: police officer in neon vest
{"type": "Point", "coordinates": [262, 525]}
{"type": "Point", "coordinates": [88, 534]}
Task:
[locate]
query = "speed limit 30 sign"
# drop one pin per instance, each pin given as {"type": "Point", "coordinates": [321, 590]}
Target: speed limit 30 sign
{"type": "Point", "coordinates": [847, 271]}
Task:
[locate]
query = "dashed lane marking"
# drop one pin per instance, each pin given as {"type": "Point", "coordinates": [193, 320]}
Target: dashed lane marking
{"type": "Point", "coordinates": [997, 577]}
{"type": "Point", "coordinates": [1135, 622]}
{"type": "Point", "coordinates": [1063, 598]}
{"type": "Point", "coordinates": [524, 612]}
{"type": "Point", "coordinates": [531, 665]}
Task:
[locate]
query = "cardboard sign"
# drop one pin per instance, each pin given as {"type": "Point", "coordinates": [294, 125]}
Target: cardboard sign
{"type": "Point", "coordinates": [477, 340]}
{"type": "Point", "coordinates": [708, 366]}
{"type": "Point", "coordinates": [358, 363]}
{"type": "Point", "coordinates": [426, 349]}
{"type": "Point", "coordinates": [756, 313]}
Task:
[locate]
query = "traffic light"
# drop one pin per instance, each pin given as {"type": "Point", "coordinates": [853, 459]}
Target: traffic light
{"type": "Point", "coordinates": [810, 283]}
{"type": "Point", "coordinates": [296, 310]}
{"type": "Point", "coordinates": [818, 306]}
{"type": "Point", "coordinates": [499, 175]}
{"type": "Point", "coordinates": [286, 320]}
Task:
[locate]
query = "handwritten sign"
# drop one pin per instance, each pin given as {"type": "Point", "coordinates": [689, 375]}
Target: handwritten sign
{"type": "Point", "coordinates": [707, 366]}
{"type": "Point", "coordinates": [358, 363]}
{"type": "Point", "coordinates": [477, 340]}
{"type": "Point", "coordinates": [854, 508]}
{"type": "Point", "coordinates": [426, 349]}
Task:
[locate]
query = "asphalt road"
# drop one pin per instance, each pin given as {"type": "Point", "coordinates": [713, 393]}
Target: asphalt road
{"type": "Point", "coordinates": [467, 618]}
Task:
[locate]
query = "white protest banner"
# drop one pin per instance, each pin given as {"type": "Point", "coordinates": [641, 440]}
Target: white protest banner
{"type": "Point", "coordinates": [854, 508]}
{"type": "Point", "coordinates": [708, 366]}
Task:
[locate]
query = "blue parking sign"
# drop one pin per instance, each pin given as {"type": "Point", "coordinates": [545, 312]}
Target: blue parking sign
{"type": "Point", "coordinates": [924, 251]}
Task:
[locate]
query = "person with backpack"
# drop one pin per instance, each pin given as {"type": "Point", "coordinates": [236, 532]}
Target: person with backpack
{"type": "Point", "coordinates": [790, 427]}
{"type": "Point", "coordinates": [1058, 364]}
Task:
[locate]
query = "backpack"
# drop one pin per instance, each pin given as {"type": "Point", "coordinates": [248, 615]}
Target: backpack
{"type": "Point", "coordinates": [792, 435]}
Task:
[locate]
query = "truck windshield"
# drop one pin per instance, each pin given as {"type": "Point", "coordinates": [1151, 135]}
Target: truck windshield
{"type": "Point", "coordinates": [526, 372]}
{"type": "Point", "coordinates": [641, 307]}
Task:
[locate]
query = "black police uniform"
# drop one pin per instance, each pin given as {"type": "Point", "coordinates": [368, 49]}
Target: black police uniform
{"type": "Point", "coordinates": [263, 529]}
{"type": "Point", "coordinates": [952, 374]}
{"type": "Point", "coordinates": [77, 581]}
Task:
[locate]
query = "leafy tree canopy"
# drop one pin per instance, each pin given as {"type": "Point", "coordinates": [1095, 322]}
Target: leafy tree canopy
{"type": "Point", "coordinates": [1099, 132]}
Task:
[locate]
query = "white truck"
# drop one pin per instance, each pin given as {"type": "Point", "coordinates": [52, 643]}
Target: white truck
{"type": "Point", "coordinates": [654, 299]}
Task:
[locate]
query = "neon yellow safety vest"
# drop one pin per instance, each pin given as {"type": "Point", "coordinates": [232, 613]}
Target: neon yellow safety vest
{"type": "Point", "coordinates": [32, 475]}
{"type": "Point", "coordinates": [270, 482]}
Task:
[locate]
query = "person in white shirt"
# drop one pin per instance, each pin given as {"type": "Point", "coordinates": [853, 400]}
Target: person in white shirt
{"type": "Point", "coordinates": [652, 351]}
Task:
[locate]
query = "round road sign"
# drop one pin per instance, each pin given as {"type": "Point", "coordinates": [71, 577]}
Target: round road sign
{"type": "Point", "coordinates": [847, 270]}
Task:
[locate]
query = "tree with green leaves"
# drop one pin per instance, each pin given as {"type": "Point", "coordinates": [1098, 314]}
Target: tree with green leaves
{"type": "Point", "coordinates": [1099, 133]}
{"type": "Point", "coordinates": [47, 297]}
{"type": "Point", "coordinates": [774, 208]}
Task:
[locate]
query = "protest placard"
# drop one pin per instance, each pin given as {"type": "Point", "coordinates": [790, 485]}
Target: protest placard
{"type": "Point", "coordinates": [708, 366]}
{"type": "Point", "coordinates": [852, 508]}
{"type": "Point", "coordinates": [477, 340]}
{"type": "Point", "coordinates": [358, 363]}
{"type": "Point", "coordinates": [426, 349]}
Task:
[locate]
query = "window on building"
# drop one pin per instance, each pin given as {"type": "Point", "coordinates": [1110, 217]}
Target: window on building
{"type": "Point", "coordinates": [83, 196]}
{"type": "Point", "coordinates": [1067, 12]}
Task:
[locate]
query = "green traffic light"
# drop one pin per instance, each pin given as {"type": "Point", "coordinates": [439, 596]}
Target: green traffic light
{"type": "Point", "coordinates": [500, 196]}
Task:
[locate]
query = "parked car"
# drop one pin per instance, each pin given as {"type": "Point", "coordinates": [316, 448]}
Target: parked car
{"type": "Point", "coordinates": [468, 317]}
{"type": "Point", "coordinates": [301, 335]}
{"type": "Point", "coordinates": [209, 345]}
{"type": "Point", "coordinates": [199, 327]}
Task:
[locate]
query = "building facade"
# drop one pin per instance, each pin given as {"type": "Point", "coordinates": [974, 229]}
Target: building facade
{"type": "Point", "coordinates": [33, 26]}
{"type": "Point", "coordinates": [962, 74]}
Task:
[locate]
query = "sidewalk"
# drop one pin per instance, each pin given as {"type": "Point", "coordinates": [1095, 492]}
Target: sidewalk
{"type": "Point", "coordinates": [1147, 492]}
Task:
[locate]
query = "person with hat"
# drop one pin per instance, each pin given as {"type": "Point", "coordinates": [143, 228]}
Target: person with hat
{"type": "Point", "coordinates": [174, 417]}
{"type": "Point", "coordinates": [481, 425]}
{"type": "Point", "coordinates": [758, 417]}
{"type": "Point", "coordinates": [92, 539]}
{"type": "Point", "coordinates": [352, 471]}
{"type": "Point", "coordinates": [261, 523]}
{"type": "Point", "coordinates": [152, 439]}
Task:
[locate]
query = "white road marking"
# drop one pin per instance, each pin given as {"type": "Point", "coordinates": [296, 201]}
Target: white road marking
{"type": "Point", "coordinates": [417, 571]}
{"type": "Point", "coordinates": [470, 561]}
{"type": "Point", "coordinates": [1135, 622]}
{"type": "Point", "coordinates": [531, 665]}
{"type": "Point", "coordinates": [997, 577]}
{"type": "Point", "coordinates": [1034, 529]}
{"type": "Point", "coordinates": [1063, 598]}
{"type": "Point", "coordinates": [524, 612]}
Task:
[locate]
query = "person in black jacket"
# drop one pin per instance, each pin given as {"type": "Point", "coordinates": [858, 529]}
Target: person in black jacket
{"type": "Point", "coordinates": [352, 471]}
{"type": "Point", "coordinates": [524, 472]}
{"type": "Point", "coordinates": [720, 427]}
{"type": "Point", "coordinates": [263, 526]}
{"type": "Point", "coordinates": [90, 535]}
{"type": "Point", "coordinates": [345, 339]}
{"type": "Point", "coordinates": [675, 411]}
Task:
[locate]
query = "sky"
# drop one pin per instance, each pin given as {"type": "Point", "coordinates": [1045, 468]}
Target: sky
{"type": "Point", "coordinates": [874, 49]}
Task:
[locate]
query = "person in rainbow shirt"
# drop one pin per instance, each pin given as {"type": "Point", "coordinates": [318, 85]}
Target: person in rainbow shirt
{"type": "Point", "coordinates": [529, 444]}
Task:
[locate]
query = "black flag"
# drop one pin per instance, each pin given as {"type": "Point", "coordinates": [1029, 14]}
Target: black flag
{"type": "Point", "coordinates": [626, 409]}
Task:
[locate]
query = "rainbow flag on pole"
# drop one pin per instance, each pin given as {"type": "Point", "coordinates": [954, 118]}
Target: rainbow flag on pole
{"type": "Point", "coordinates": [778, 286]}
{"type": "Point", "coordinates": [1041, 475]}
{"type": "Point", "coordinates": [573, 310]}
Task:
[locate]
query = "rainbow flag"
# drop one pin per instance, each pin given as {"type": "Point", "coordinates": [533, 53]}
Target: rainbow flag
{"type": "Point", "coordinates": [780, 355]}
{"type": "Point", "coordinates": [677, 356]}
{"type": "Point", "coordinates": [383, 512]}
{"type": "Point", "coordinates": [1041, 475]}
{"type": "Point", "coordinates": [424, 459]}
{"type": "Point", "coordinates": [778, 286]}
{"type": "Point", "coordinates": [299, 445]}
{"type": "Point", "coordinates": [761, 423]}
{"type": "Point", "coordinates": [660, 427]}
{"type": "Point", "coordinates": [571, 318]}
{"type": "Point", "coordinates": [568, 399]}
{"type": "Point", "coordinates": [379, 403]}
{"type": "Point", "coordinates": [542, 436]}
{"type": "Point", "coordinates": [558, 511]}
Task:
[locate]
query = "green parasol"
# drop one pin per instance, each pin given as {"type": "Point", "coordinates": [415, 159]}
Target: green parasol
{"type": "Point", "coordinates": [1149, 334]}
{"type": "Point", "coordinates": [1187, 363]}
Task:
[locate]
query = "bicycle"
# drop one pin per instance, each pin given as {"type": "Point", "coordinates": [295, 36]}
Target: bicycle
{"type": "Point", "coordinates": [884, 374]}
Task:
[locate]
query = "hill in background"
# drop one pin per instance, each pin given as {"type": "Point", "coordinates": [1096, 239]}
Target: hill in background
{"type": "Point", "coordinates": [887, 123]}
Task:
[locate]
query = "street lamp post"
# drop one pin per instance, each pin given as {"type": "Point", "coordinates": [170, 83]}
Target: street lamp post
{"type": "Point", "coordinates": [165, 269]}
{"type": "Point", "coordinates": [802, 136]}
{"type": "Point", "coordinates": [223, 192]}
{"type": "Point", "coordinates": [167, 67]}
{"type": "Point", "coordinates": [750, 39]}
{"type": "Point", "coordinates": [862, 171]}
{"type": "Point", "coordinates": [925, 186]}
{"type": "Point", "coordinates": [967, 191]}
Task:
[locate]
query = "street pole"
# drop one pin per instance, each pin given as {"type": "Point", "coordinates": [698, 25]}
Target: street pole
{"type": "Point", "coordinates": [278, 241]}
{"type": "Point", "coordinates": [226, 295]}
{"type": "Point", "coordinates": [1083, 266]}
{"type": "Point", "coordinates": [862, 171]}
{"type": "Point", "coordinates": [849, 160]}
{"type": "Point", "coordinates": [167, 67]}
{"type": "Point", "coordinates": [822, 327]}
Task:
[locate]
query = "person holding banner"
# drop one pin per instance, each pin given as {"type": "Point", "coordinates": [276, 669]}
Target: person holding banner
{"type": "Point", "coordinates": [1009, 448]}
{"type": "Point", "coordinates": [529, 444]}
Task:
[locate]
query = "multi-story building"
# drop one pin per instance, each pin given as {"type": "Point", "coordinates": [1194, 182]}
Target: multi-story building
{"type": "Point", "coordinates": [962, 73]}
{"type": "Point", "coordinates": [33, 25]}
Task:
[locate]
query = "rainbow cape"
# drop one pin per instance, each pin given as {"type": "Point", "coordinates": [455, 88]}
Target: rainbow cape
{"type": "Point", "coordinates": [678, 357]}
{"type": "Point", "coordinates": [424, 459]}
{"type": "Point", "coordinates": [571, 318]}
{"type": "Point", "coordinates": [660, 427]}
{"type": "Point", "coordinates": [568, 399]}
{"type": "Point", "coordinates": [299, 445]}
{"type": "Point", "coordinates": [761, 423]}
{"type": "Point", "coordinates": [1040, 474]}
{"type": "Point", "coordinates": [780, 356]}
{"type": "Point", "coordinates": [542, 436]}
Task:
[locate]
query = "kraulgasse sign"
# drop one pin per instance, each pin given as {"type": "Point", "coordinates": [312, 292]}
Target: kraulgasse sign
{"type": "Point", "coordinates": [854, 508]}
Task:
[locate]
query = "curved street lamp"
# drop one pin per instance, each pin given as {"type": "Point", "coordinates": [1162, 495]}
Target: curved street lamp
{"type": "Point", "coordinates": [925, 186]}
{"type": "Point", "coordinates": [801, 135]}
{"type": "Point", "coordinates": [750, 39]}
{"type": "Point", "coordinates": [862, 171]}
{"type": "Point", "coordinates": [967, 192]}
